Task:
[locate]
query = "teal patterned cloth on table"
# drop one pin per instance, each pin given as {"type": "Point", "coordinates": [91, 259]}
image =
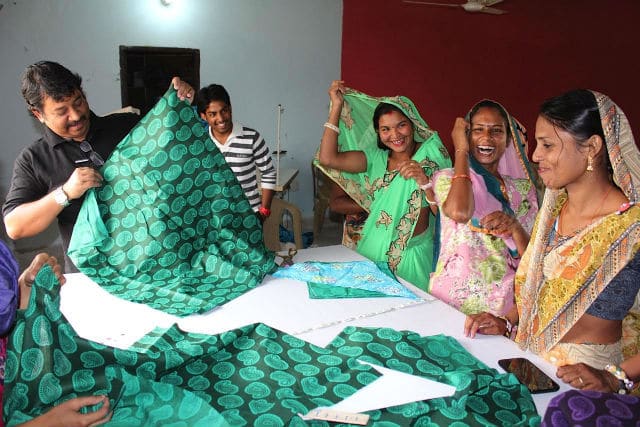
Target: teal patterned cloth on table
{"type": "Point", "coordinates": [170, 227]}
{"type": "Point", "coordinates": [352, 279]}
{"type": "Point", "coordinates": [254, 375]}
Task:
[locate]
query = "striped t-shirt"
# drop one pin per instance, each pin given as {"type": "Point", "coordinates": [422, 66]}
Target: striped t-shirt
{"type": "Point", "coordinates": [244, 151]}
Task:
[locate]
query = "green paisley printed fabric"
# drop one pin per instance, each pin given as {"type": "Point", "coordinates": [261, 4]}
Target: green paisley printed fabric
{"type": "Point", "coordinates": [170, 227]}
{"type": "Point", "coordinates": [252, 376]}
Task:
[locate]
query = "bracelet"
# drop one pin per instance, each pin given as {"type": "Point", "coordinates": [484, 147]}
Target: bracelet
{"type": "Point", "coordinates": [625, 385]}
{"type": "Point", "coordinates": [431, 202]}
{"type": "Point", "coordinates": [333, 127]}
{"type": "Point", "coordinates": [461, 175]}
{"type": "Point", "coordinates": [426, 186]}
{"type": "Point", "coordinates": [265, 212]}
{"type": "Point", "coordinates": [460, 150]}
{"type": "Point", "coordinates": [511, 327]}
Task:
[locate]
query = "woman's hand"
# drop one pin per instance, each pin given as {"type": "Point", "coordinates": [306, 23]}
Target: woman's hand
{"type": "Point", "coordinates": [585, 377]}
{"type": "Point", "coordinates": [411, 169]}
{"type": "Point", "coordinates": [336, 94]}
{"type": "Point", "coordinates": [459, 135]}
{"type": "Point", "coordinates": [28, 276]}
{"type": "Point", "coordinates": [484, 323]}
{"type": "Point", "coordinates": [500, 223]}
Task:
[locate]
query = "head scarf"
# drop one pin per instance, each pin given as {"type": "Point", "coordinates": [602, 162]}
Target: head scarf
{"type": "Point", "coordinates": [542, 326]}
{"type": "Point", "coordinates": [8, 289]}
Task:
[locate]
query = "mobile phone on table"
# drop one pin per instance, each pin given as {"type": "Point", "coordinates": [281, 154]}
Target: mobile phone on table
{"type": "Point", "coordinates": [529, 375]}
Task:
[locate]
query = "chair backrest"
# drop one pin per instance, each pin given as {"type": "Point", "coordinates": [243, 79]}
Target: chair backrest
{"type": "Point", "coordinates": [271, 226]}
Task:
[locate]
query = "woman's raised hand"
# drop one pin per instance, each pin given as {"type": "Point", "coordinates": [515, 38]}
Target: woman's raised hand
{"type": "Point", "coordinates": [336, 93]}
{"type": "Point", "coordinates": [459, 135]}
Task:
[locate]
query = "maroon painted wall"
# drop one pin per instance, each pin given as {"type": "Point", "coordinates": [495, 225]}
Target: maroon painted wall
{"type": "Point", "coordinates": [446, 59]}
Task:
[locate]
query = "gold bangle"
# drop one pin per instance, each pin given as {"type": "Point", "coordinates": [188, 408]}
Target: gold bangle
{"type": "Point", "coordinates": [431, 202]}
{"type": "Point", "coordinates": [461, 175]}
{"type": "Point", "coordinates": [460, 150]}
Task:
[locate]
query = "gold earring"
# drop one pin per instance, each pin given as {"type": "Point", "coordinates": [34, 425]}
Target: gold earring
{"type": "Point", "coordinates": [589, 164]}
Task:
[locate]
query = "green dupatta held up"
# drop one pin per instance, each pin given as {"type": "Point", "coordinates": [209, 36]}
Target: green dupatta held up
{"type": "Point", "coordinates": [556, 285]}
{"type": "Point", "coordinates": [170, 227]}
{"type": "Point", "coordinates": [393, 203]}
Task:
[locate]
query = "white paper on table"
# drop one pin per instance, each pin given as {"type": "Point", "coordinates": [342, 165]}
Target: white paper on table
{"type": "Point", "coordinates": [393, 388]}
{"type": "Point", "coordinates": [283, 304]}
{"type": "Point", "coordinates": [98, 316]}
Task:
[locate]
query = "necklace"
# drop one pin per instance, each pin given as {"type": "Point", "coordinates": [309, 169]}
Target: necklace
{"type": "Point", "coordinates": [561, 228]}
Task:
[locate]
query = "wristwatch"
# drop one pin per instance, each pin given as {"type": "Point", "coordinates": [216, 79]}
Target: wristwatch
{"type": "Point", "coordinates": [61, 197]}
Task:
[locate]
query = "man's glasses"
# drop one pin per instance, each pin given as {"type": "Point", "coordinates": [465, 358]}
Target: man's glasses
{"type": "Point", "coordinates": [95, 157]}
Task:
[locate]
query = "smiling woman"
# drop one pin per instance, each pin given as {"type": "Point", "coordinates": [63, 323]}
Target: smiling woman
{"type": "Point", "coordinates": [487, 203]}
{"type": "Point", "coordinates": [384, 164]}
{"type": "Point", "coordinates": [577, 284]}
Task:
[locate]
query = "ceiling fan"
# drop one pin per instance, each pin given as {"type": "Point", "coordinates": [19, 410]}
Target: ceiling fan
{"type": "Point", "coordinates": [483, 6]}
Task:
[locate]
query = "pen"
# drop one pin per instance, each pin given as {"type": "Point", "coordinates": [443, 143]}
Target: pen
{"type": "Point", "coordinates": [81, 161]}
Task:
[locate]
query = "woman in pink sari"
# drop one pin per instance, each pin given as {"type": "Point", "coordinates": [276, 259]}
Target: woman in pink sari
{"type": "Point", "coordinates": [487, 203]}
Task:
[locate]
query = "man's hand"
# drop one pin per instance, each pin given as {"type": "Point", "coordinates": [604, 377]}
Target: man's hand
{"type": "Point", "coordinates": [28, 276]}
{"type": "Point", "coordinates": [80, 181]}
{"type": "Point", "coordinates": [184, 89]}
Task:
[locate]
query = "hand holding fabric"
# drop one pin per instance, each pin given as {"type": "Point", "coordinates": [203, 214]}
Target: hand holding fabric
{"type": "Point", "coordinates": [28, 276]}
{"type": "Point", "coordinates": [459, 135]}
{"type": "Point", "coordinates": [80, 181]}
{"type": "Point", "coordinates": [184, 89]}
{"type": "Point", "coordinates": [502, 224]}
{"type": "Point", "coordinates": [412, 169]}
{"type": "Point", "coordinates": [67, 414]}
{"type": "Point", "coordinates": [336, 94]}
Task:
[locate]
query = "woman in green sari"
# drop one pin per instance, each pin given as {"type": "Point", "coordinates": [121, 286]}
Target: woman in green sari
{"type": "Point", "coordinates": [386, 168]}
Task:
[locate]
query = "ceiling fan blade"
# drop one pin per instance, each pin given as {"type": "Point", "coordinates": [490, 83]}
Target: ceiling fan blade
{"type": "Point", "coordinates": [493, 10]}
{"type": "Point", "coordinates": [429, 3]}
{"type": "Point", "coordinates": [491, 2]}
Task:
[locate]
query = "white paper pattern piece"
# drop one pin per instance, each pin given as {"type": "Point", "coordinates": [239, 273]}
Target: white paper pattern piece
{"type": "Point", "coordinates": [393, 388]}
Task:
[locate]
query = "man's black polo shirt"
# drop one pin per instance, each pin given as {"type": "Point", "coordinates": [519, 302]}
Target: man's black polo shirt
{"type": "Point", "coordinates": [48, 162]}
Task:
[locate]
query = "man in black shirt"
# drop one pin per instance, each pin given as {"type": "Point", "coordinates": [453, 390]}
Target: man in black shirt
{"type": "Point", "coordinates": [51, 176]}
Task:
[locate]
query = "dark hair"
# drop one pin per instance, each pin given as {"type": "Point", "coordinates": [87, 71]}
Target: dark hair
{"type": "Point", "coordinates": [487, 103]}
{"type": "Point", "coordinates": [46, 78]}
{"type": "Point", "coordinates": [381, 109]}
{"type": "Point", "coordinates": [575, 112]}
{"type": "Point", "coordinates": [213, 92]}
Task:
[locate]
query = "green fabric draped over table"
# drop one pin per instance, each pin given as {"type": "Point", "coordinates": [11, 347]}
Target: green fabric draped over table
{"type": "Point", "coordinates": [254, 375]}
{"type": "Point", "coordinates": [393, 203]}
{"type": "Point", "coordinates": [171, 226]}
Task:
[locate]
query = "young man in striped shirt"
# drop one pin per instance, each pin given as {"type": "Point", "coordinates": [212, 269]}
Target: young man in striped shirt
{"type": "Point", "coordinates": [243, 148]}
